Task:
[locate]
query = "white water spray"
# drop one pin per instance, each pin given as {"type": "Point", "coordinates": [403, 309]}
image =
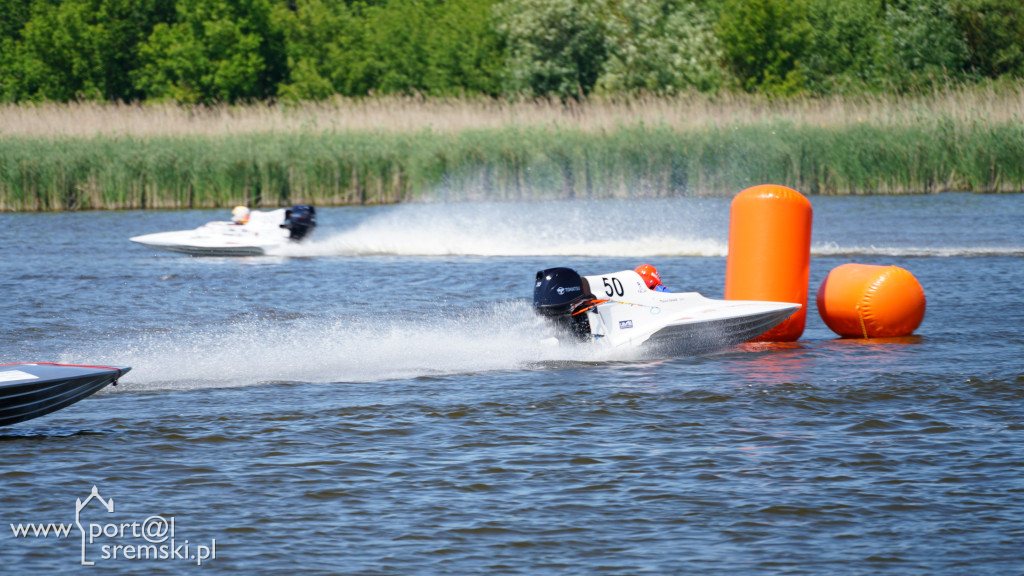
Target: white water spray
{"type": "Point", "coordinates": [509, 336]}
{"type": "Point", "coordinates": [601, 229]}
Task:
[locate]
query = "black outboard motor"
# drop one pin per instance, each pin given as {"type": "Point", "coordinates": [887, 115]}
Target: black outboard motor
{"type": "Point", "coordinates": [300, 221]}
{"type": "Point", "coordinates": [557, 294]}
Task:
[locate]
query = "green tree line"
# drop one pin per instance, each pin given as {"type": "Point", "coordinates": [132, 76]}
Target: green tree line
{"type": "Point", "coordinates": [211, 51]}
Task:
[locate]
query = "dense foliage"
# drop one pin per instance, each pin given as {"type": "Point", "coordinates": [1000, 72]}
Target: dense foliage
{"type": "Point", "coordinates": [206, 51]}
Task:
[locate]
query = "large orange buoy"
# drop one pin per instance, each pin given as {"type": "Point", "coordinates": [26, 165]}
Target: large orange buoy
{"type": "Point", "coordinates": [770, 253]}
{"type": "Point", "coordinates": [867, 301]}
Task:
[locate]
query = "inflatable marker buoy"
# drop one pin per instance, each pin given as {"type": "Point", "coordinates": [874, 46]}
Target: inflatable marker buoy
{"type": "Point", "coordinates": [770, 253]}
{"type": "Point", "coordinates": [866, 301]}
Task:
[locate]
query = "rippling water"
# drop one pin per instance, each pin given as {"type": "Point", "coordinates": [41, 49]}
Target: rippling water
{"type": "Point", "coordinates": [379, 401]}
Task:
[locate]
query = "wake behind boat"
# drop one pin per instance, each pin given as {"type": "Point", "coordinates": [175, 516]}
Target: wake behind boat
{"type": "Point", "coordinates": [32, 390]}
{"type": "Point", "coordinates": [619, 310]}
{"type": "Point", "coordinates": [250, 233]}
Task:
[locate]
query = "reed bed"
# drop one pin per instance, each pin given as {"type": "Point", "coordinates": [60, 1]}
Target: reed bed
{"type": "Point", "coordinates": [109, 156]}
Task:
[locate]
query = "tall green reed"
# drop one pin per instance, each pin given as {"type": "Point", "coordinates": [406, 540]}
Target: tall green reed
{"type": "Point", "coordinates": [534, 162]}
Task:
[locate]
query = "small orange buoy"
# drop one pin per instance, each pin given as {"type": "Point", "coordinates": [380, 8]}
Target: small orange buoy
{"type": "Point", "coordinates": [770, 253]}
{"type": "Point", "coordinates": [866, 301]}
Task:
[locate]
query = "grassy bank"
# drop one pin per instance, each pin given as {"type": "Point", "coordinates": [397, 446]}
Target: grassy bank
{"type": "Point", "coordinates": [381, 151]}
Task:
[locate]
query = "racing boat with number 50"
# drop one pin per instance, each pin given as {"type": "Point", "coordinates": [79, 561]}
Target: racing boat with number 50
{"type": "Point", "coordinates": [619, 310]}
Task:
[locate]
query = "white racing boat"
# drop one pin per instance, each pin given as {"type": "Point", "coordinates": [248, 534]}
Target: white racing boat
{"type": "Point", "coordinates": [32, 390]}
{"type": "Point", "coordinates": [619, 310]}
{"type": "Point", "coordinates": [260, 234]}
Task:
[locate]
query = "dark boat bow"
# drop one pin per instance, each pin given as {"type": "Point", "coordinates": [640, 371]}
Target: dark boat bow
{"type": "Point", "coordinates": [29, 391]}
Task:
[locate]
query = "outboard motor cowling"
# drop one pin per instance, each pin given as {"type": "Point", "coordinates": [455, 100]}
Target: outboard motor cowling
{"type": "Point", "coordinates": [300, 220]}
{"type": "Point", "coordinates": [557, 294]}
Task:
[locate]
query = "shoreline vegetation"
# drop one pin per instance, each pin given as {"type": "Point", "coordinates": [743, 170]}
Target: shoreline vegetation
{"type": "Point", "coordinates": [90, 156]}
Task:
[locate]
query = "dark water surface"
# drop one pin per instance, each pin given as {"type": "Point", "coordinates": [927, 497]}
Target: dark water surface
{"type": "Point", "coordinates": [380, 401]}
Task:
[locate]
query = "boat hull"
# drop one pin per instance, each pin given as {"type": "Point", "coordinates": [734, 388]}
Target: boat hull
{"type": "Point", "coordinates": [214, 241]}
{"type": "Point", "coordinates": [618, 310]}
{"type": "Point", "coordinates": [684, 324]}
{"type": "Point", "coordinates": [708, 336]}
{"type": "Point", "coordinates": [29, 391]}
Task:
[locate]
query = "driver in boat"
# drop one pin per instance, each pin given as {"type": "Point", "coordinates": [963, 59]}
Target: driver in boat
{"type": "Point", "coordinates": [651, 277]}
{"type": "Point", "coordinates": [240, 215]}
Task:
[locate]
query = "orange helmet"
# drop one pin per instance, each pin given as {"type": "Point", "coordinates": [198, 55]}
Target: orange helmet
{"type": "Point", "coordinates": [649, 274]}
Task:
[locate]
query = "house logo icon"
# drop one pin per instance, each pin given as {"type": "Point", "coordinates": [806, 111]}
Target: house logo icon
{"type": "Point", "coordinates": [81, 505]}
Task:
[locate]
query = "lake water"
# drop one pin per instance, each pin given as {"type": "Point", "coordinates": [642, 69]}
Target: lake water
{"type": "Point", "coordinates": [379, 401]}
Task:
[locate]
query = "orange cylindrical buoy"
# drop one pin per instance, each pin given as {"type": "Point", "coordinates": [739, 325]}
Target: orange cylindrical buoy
{"type": "Point", "coordinates": [867, 301]}
{"type": "Point", "coordinates": [770, 253]}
